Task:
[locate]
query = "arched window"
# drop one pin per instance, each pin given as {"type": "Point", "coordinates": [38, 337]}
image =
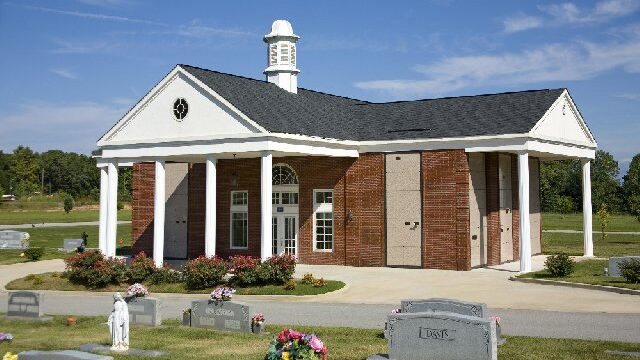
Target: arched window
{"type": "Point", "coordinates": [284, 175]}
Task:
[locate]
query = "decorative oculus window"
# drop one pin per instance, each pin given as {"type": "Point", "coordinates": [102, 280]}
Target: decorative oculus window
{"type": "Point", "coordinates": [180, 109]}
{"type": "Point", "coordinates": [323, 220]}
{"type": "Point", "coordinates": [239, 219]}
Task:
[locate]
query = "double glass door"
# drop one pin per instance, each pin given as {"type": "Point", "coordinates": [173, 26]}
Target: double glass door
{"type": "Point", "coordinates": [284, 229]}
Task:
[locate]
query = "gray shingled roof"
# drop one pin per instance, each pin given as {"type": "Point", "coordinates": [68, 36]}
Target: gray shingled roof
{"type": "Point", "coordinates": [318, 114]}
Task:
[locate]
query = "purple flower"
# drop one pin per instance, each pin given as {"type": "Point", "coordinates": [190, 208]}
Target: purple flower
{"type": "Point", "coordinates": [316, 344]}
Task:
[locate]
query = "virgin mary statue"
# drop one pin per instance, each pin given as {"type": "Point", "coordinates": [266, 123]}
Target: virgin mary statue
{"type": "Point", "coordinates": [119, 324]}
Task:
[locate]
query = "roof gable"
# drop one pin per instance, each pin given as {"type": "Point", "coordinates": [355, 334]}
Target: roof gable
{"type": "Point", "coordinates": [563, 121]}
{"type": "Point", "coordinates": [152, 118]}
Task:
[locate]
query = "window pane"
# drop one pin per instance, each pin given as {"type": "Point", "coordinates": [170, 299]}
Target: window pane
{"type": "Point", "coordinates": [239, 229]}
{"type": "Point", "coordinates": [275, 198]}
{"type": "Point", "coordinates": [239, 198]}
{"type": "Point", "coordinates": [324, 197]}
{"type": "Point", "coordinates": [324, 231]}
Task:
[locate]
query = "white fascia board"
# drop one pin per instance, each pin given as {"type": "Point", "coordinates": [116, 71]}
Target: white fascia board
{"type": "Point", "coordinates": [159, 87]}
{"type": "Point", "coordinates": [539, 146]}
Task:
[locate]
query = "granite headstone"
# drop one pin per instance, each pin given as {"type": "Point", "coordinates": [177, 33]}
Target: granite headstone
{"type": "Point", "coordinates": [440, 335]}
{"type": "Point", "coordinates": [72, 244]}
{"type": "Point", "coordinates": [11, 239]}
{"type": "Point", "coordinates": [444, 305]}
{"type": "Point", "coordinates": [25, 304]}
{"type": "Point", "coordinates": [61, 355]}
{"type": "Point", "coordinates": [144, 311]}
{"type": "Point", "coordinates": [221, 315]}
{"type": "Point", "coordinates": [614, 263]}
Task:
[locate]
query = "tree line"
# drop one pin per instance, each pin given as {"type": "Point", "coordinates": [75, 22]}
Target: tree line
{"type": "Point", "coordinates": [25, 172]}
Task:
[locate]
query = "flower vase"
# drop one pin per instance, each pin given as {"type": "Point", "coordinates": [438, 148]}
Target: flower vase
{"type": "Point", "coordinates": [256, 328]}
{"type": "Point", "coordinates": [186, 319]}
{"type": "Point", "coordinates": [499, 337]}
{"type": "Point", "coordinates": [71, 321]}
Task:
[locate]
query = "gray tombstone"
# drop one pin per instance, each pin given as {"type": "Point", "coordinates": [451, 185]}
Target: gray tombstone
{"type": "Point", "coordinates": [61, 355]}
{"type": "Point", "coordinates": [72, 244]}
{"type": "Point", "coordinates": [614, 263]}
{"type": "Point", "coordinates": [441, 336]}
{"type": "Point", "coordinates": [26, 304]}
{"type": "Point", "coordinates": [11, 239]}
{"type": "Point", "coordinates": [223, 315]}
{"type": "Point", "coordinates": [444, 305]}
{"type": "Point", "coordinates": [144, 311]}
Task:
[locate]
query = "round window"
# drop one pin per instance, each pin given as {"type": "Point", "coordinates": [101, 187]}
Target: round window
{"type": "Point", "coordinates": [180, 109]}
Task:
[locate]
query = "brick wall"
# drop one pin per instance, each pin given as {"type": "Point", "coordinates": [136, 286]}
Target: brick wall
{"type": "Point", "coordinates": [515, 196]}
{"type": "Point", "coordinates": [142, 186]}
{"type": "Point", "coordinates": [493, 208]}
{"type": "Point", "coordinates": [445, 194]}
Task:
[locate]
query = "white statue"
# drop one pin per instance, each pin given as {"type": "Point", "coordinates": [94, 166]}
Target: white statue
{"type": "Point", "coordinates": [119, 324]}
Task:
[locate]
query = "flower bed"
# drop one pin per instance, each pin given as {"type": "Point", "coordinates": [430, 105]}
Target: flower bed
{"type": "Point", "coordinates": [294, 345]}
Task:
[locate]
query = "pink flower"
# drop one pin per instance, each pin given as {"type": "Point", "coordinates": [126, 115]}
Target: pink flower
{"type": "Point", "coordinates": [295, 335]}
{"type": "Point", "coordinates": [497, 319]}
{"type": "Point", "coordinates": [316, 344]}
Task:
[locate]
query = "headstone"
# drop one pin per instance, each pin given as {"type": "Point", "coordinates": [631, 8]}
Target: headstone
{"type": "Point", "coordinates": [26, 304]}
{"type": "Point", "coordinates": [614, 264]}
{"type": "Point", "coordinates": [440, 335]}
{"type": "Point", "coordinates": [11, 239]}
{"type": "Point", "coordinates": [72, 244]}
{"type": "Point", "coordinates": [61, 355]}
{"type": "Point", "coordinates": [222, 315]}
{"type": "Point", "coordinates": [444, 305]}
{"type": "Point", "coordinates": [144, 311]}
{"type": "Point", "coordinates": [105, 349]}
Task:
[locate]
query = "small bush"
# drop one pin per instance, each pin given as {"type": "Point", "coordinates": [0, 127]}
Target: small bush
{"type": "Point", "coordinates": [204, 272]}
{"type": "Point", "coordinates": [246, 270]}
{"type": "Point", "coordinates": [38, 281]}
{"type": "Point", "coordinates": [93, 270]}
{"type": "Point", "coordinates": [142, 267]}
{"type": "Point", "coordinates": [34, 253]}
{"type": "Point", "coordinates": [68, 203]}
{"type": "Point", "coordinates": [559, 265]}
{"type": "Point", "coordinates": [278, 269]}
{"type": "Point", "coordinates": [319, 283]}
{"type": "Point", "coordinates": [564, 204]}
{"type": "Point", "coordinates": [630, 270]}
{"type": "Point", "coordinates": [308, 278]}
{"type": "Point", "coordinates": [165, 275]}
{"type": "Point", "coordinates": [290, 285]}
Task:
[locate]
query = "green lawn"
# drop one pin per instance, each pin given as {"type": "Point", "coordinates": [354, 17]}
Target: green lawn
{"type": "Point", "coordinates": [343, 343]}
{"type": "Point", "coordinates": [572, 244]}
{"type": "Point", "coordinates": [52, 238]}
{"type": "Point", "coordinates": [54, 281]}
{"type": "Point", "coordinates": [12, 217]}
{"type": "Point", "coordinates": [553, 221]}
{"type": "Point", "coordinates": [586, 272]}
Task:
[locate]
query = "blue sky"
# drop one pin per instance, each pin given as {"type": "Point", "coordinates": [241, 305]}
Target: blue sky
{"type": "Point", "coordinates": [71, 69]}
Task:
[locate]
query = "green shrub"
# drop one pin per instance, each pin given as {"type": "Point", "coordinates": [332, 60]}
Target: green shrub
{"type": "Point", "coordinates": [278, 269]}
{"type": "Point", "coordinates": [246, 270]}
{"type": "Point", "coordinates": [290, 285]}
{"type": "Point", "coordinates": [204, 272]}
{"type": "Point", "coordinates": [559, 265]}
{"type": "Point", "coordinates": [165, 275]}
{"type": "Point", "coordinates": [142, 267]}
{"type": "Point", "coordinates": [68, 203]}
{"type": "Point", "coordinates": [34, 253]}
{"type": "Point", "coordinates": [564, 204]}
{"type": "Point", "coordinates": [308, 278]}
{"type": "Point", "coordinates": [630, 270]}
{"type": "Point", "coordinates": [319, 283]}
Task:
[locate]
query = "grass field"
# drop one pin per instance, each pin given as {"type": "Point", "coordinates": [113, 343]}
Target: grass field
{"type": "Point", "coordinates": [572, 244]}
{"type": "Point", "coordinates": [12, 217]}
{"type": "Point", "coordinates": [53, 238]}
{"type": "Point", "coordinates": [193, 343]}
{"type": "Point", "coordinates": [553, 221]}
{"type": "Point", "coordinates": [586, 272]}
{"type": "Point", "coordinates": [54, 281]}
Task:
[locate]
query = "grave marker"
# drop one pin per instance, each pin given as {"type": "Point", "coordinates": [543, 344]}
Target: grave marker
{"type": "Point", "coordinates": [10, 239]}
{"type": "Point", "coordinates": [144, 311]}
{"type": "Point", "coordinates": [26, 304]}
{"type": "Point", "coordinates": [444, 305]}
{"type": "Point", "coordinates": [614, 262]}
{"type": "Point", "coordinates": [222, 315]}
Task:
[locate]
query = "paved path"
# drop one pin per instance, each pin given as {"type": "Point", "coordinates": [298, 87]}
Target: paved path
{"type": "Point", "coordinates": [526, 309]}
{"type": "Point", "coordinates": [594, 231]}
{"type": "Point", "coordinates": [44, 225]}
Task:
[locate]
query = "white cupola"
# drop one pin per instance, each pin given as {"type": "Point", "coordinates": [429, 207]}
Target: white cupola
{"type": "Point", "coordinates": [281, 56]}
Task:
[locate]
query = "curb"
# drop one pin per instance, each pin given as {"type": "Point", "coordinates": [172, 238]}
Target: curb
{"type": "Point", "coordinates": [577, 285]}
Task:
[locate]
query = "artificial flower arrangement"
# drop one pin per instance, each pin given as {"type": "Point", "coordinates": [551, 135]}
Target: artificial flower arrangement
{"type": "Point", "coordinates": [222, 294]}
{"type": "Point", "coordinates": [137, 290]}
{"type": "Point", "coordinates": [186, 311]}
{"type": "Point", "coordinates": [10, 356]}
{"type": "Point", "coordinates": [396, 311]}
{"type": "Point", "coordinates": [257, 319]}
{"type": "Point", "coordinates": [295, 345]}
{"type": "Point", "coordinates": [5, 337]}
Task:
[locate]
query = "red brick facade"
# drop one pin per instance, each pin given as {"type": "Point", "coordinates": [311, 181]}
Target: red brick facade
{"type": "Point", "coordinates": [493, 208]}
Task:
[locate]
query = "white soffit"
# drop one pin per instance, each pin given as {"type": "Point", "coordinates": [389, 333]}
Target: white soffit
{"type": "Point", "coordinates": [563, 122]}
{"type": "Point", "coordinates": [152, 118]}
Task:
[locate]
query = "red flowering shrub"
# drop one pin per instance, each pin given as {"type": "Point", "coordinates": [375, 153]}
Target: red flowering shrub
{"type": "Point", "coordinates": [92, 269]}
{"type": "Point", "coordinates": [204, 272]}
{"type": "Point", "coordinates": [278, 269]}
{"type": "Point", "coordinates": [142, 267]}
{"type": "Point", "coordinates": [245, 270]}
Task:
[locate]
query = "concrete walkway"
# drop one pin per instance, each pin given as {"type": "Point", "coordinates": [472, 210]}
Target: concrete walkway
{"type": "Point", "coordinates": [45, 225]}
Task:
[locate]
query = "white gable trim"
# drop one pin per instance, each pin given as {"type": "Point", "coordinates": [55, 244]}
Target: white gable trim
{"type": "Point", "coordinates": [574, 110]}
{"type": "Point", "coordinates": [166, 81]}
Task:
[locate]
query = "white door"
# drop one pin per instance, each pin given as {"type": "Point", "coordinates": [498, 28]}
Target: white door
{"type": "Point", "coordinates": [176, 210]}
{"type": "Point", "coordinates": [506, 204]}
{"type": "Point", "coordinates": [285, 234]}
{"type": "Point", "coordinates": [477, 209]}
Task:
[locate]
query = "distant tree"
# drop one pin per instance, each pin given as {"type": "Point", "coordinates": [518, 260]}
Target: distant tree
{"type": "Point", "coordinates": [67, 202]}
{"type": "Point", "coordinates": [603, 215]}
{"type": "Point", "coordinates": [75, 174]}
{"type": "Point", "coordinates": [560, 186]}
{"type": "Point", "coordinates": [5, 171]}
{"type": "Point", "coordinates": [606, 188]}
{"type": "Point", "coordinates": [631, 187]}
{"type": "Point", "coordinates": [25, 167]}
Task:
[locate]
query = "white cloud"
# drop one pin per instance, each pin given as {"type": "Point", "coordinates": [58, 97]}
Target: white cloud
{"type": "Point", "coordinates": [103, 3]}
{"type": "Point", "coordinates": [521, 23]}
{"type": "Point", "coordinates": [86, 15]}
{"type": "Point", "coordinates": [602, 11]}
{"type": "Point", "coordinates": [554, 62]}
{"type": "Point", "coordinates": [70, 127]}
{"type": "Point", "coordinates": [65, 73]}
{"type": "Point", "coordinates": [629, 96]}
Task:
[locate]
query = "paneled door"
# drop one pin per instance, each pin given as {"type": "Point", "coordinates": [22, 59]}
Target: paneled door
{"type": "Point", "coordinates": [176, 210]}
{"type": "Point", "coordinates": [284, 230]}
{"type": "Point", "coordinates": [506, 204]}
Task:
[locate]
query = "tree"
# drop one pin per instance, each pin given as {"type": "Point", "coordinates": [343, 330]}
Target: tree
{"type": "Point", "coordinates": [560, 186]}
{"type": "Point", "coordinates": [68, 203]}
{"type": "Point", "coordinates": [603, 215]}
{"type": "Point", "coordinates": [606, 188]}
{"type": "Point", "coordinates": [24, 170]}
{"type": "Point", "coordinates": [631, 187]}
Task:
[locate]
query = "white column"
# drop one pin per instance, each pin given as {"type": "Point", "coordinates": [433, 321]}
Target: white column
{"type": "Point", "coordinates": [210, 214]}
{"type": "Point", "coordinates": [102, 232]}
{"type": "Point", "coordinates": [525, 225]}
{"type": "Point", "coordinates": [158, 214]}
{"type": "Point", "coordinates": [265, 205]}
{"type": "Point", "coordinates": [587, 211]}
{"type": "Point", "coordinates": [112, 208]}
